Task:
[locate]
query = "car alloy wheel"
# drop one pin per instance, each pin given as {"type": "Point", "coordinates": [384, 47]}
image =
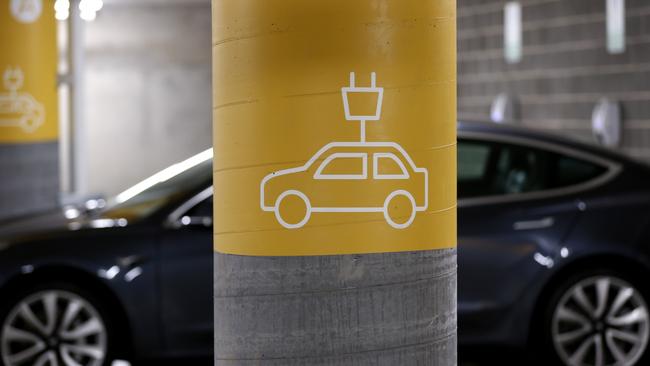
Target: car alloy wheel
{"type": "Point", "coordinates": [600, 321]}
{"type": "Point", "coordinates": [53, 328]}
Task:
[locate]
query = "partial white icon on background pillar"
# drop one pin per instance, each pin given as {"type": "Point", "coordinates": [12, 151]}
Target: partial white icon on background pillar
{"type": "Point", "coordinates": [19, 109]}
{"type": "Point", "coordinates": [26, 11]}
{"type": "Point", "coordinates": [316, 183]}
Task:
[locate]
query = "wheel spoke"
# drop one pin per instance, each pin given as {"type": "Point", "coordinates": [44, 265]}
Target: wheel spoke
{"type": "Point", "coordinates": [602, 292]}
{"type": "Point", "coordinates": [613, 347]}
{"type": "Point", "coordinates": [623, 296]}
{"type": "Point", "coordinates": [573, 335]}
{"type": "Point", "coordinates": [47, 358]}
{"type": "Point", "coordinates": [598, 347]}
{"type": "Point", "coordinates": [28, 315]}
{"type": "Point", "coordinates": [71, 312]}
{"type": "Point", "coordinates": [635, 316]}
{"type": "Point", "coordinates": [27, 353]}
{"type": "Point", "coordinates": [581, 298]}
{"type": "Point", "coordinates": [49, 302]}
{"type": "Point", "coordinates": [579, 355]}
{"type": "Point", "coordinates": [13, 334]}
{"type": "Point", "coordinates": [626, 336]}
{"type": "Point", "coordinates": [67, 358]}
{"type": "Point", "coordinates": [92, 326]}
{"type": "Point", "coordinates": [569, 315]}
{"type": "Point", "coordinates": [85, 350]}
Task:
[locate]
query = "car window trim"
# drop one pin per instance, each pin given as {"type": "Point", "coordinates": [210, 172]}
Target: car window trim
{"type": "Point", "coordinates": [174, 218]}
{"type": "Point", "coordinates": [612, 169]}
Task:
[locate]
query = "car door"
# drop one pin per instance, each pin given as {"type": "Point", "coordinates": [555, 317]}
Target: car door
{"type": "Point", "coordinates": [186, 257]}
{"type": "Point", "coordinates": [516, 205]}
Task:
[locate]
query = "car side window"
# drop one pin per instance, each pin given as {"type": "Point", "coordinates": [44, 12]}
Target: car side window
{"type": "Point", "coordinates": [570, 171]}
{"type": "Point", "coordinates": [388, 166]}
{"type": "Point", "coordinates": [474, 159]}
{"type": "Point", "coordinates": [519, 170]}
{"type": "Point", "coordinates": [491, 168]}
{"type": "Point", "coordinates": [343, 166]}
{"type": "Point", "coordinates": [494, 168]}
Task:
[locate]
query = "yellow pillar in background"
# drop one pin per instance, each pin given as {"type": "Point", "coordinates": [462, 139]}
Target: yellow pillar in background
{"type": "Point", "coordinates": [28, 72]}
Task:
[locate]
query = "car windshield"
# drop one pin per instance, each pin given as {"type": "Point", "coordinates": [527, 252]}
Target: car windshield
{"type": "Point", "coordinates": [161, 188]}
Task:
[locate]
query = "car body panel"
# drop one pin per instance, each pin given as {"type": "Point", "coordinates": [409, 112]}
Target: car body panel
{"type": "Point", "coordinates": [110, 256]}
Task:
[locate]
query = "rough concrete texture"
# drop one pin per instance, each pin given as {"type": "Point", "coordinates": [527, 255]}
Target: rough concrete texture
{"type": "Point", "coordinates": [29, 176]}
{"type": "Point", "coordinates": [371, 309]}
{"type": "Point", "coordinates": [565, 67]}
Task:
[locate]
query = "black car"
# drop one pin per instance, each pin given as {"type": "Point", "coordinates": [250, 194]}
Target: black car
{"type": "Point", "coordinates": [554, 250]}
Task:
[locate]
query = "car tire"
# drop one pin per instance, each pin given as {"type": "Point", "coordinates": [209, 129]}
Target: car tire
{"type": "Point", "coordinates": [55, 320]}
{"type": "Point", "coordinates": [278, 204]}
{"type": "Point", "coordinates": [387, 203]}
{"type": "Point", "coordinates": [597, 318]}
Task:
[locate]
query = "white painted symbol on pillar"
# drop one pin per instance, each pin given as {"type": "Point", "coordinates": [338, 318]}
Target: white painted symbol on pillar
{"type": "Point", "coordinates": [315, 184]}
{"type": "Point", "coordinates": [26, 11]}
{"type": "Point", "coordinates": [19, 109]}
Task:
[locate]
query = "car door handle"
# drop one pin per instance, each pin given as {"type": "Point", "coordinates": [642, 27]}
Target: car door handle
{"type": "Point", "coordinates": [534, 224]}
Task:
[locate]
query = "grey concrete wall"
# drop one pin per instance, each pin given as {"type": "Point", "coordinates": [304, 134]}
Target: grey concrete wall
{"type": "Point", "coordinates": [147, 90]}
{"type": "Point", "coordinates": [565, 67]}
{"type": "Point", "coordinates": [29, 178]}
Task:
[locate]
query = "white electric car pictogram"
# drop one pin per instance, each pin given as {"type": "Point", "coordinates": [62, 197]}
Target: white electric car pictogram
{"type": "Point", "coordinates": [19, 109]}
{"type": "Point", "coordinates": [333, 178]}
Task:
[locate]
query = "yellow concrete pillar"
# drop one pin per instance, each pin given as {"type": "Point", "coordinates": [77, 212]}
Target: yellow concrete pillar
{"type": "Point", "coordinates": [335, 181]}
{"type": "Point", "coordinates": [29, 178]}
{"type": "Point", "coordinates": [28, 71]}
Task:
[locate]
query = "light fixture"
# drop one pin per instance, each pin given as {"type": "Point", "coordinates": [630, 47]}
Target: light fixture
{"type": "Point", "coordinates": [512, 32]}
{"type": "Point", "coordinates": [606, 123]}
{"type": "Point", "coordinates": [88, 9]}
{"type": "Point", "coordinates": [62, 9]}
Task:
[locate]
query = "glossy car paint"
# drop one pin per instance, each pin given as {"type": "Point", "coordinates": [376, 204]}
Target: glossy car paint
{"type": "Point", "coordinates": [156, 272]}
{"type": "Point", "coordinates": [506, 274]}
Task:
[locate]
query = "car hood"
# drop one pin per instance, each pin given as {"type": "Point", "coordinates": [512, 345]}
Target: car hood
{"type": "Point", "coordinates": [52, 222]}
{"type": "Point", "coordinates": [38, 223]}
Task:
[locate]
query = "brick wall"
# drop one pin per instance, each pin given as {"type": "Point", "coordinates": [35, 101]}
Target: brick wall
{"type": "Point", "coordinates": [565, 68]}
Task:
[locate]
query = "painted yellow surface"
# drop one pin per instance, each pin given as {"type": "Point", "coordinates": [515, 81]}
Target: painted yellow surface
{"type": "Point", "coordinates": [28, 71]}
{"type": "Point", "coordinates": [293, 173]}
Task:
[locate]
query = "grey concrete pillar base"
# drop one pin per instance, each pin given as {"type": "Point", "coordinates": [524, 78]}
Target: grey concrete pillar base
{"type": "Point", "coordinates": [372, 309]}
{"type": "Point", "coordinates": [29, 178]}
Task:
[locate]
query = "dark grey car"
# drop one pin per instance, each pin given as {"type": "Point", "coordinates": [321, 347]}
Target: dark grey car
{"type": "Point", "coordinates": [553, 255]}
